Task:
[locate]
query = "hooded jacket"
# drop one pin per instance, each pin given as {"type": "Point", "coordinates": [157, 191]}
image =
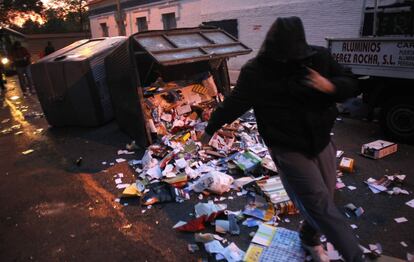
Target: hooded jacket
{"type": "Point", "coordinates": [290, 114]}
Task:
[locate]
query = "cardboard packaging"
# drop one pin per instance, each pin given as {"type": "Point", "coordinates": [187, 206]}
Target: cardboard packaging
{"type": "Point", "coordinates": [378, 149]}
{"type": "Point", "coordinates": [347, 165]}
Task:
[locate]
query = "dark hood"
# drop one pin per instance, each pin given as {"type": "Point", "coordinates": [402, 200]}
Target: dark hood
{"type": "Point", "coordinates": [285, 41]}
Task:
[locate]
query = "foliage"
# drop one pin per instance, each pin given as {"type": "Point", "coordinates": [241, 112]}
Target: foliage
{"type": "Point", "coordinates": [10, 9]}
{"type": "Point", "coordinates": [59, 16]}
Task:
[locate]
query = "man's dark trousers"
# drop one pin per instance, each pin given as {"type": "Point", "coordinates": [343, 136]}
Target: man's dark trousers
{"type": "Point", "coordinates": [310, 183]}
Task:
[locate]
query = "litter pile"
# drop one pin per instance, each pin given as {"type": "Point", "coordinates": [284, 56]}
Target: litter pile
{"type": "Point", "coordinates": [176, 165]}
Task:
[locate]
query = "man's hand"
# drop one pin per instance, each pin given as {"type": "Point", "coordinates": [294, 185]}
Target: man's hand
{"type": "Point", "coordinates": [319, 82]}
{"type": "Point", "coordinates": [205, 138]}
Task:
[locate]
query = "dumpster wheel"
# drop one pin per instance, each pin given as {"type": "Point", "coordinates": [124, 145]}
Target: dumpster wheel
{"type": "Point", "coordinates": [397, 119]}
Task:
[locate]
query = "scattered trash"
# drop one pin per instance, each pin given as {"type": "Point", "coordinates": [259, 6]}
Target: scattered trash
{"type": "Point", "coordinates": [378, 149]}
{"type": "Point", "coordinates": [193, 248]}
{"type": "Point", "coordinates": [352, 208]}
{"type": "Point", "coordinates": [78, 161]}
{"type": "Point", "coordinates": [128, 226]}
{"type": "Point", "coordinates": [216, 182]}
{"type": "Point", "coordinates": [208, 208]}
{"type": "Point", "coordinates": [5, 121]}
{"type": "Point", "coordinates": [400, 219]}
{"type": "Point", "coordinates": [403, 244]}
{"type": "Point", "coordinates": [161, 192]}
{"type": "Point", "coordinates": [264, 235]}
{"type": "Point", "coordinates": [124, 152]}
{"type": "Point", "coordinates": [410, 203]}
{"type": "Point", "coordinates": [131, 191]}
{"type": "Point", "coordinates": [387, 184]}
{"type": "Point", "coordinates": [278, 244]}
{"type": "Point", "coordinates": [29, 151]}
{"type": "Point", "coordinates": [376, 249]}
{"type": "Point", "coordinates": [339, 183]}
{"type": "Point", "coordinates": [351, 188]}
{"type": "Point", "coordinates": [347, 165]}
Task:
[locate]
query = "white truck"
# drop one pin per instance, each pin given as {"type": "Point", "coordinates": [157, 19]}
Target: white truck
{"type": "Point", "coordinates": [385, 66]}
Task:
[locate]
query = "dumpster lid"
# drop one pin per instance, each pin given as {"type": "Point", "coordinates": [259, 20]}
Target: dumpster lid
{"type": "Point", "coordinates": [187, 45]}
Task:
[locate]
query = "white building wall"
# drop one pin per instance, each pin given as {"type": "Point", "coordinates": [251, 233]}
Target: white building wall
{"type": "Point", "coordinates": [187, 15]}
{"type": "Point", "coordinates": [321, 18]}
{"type": "Point", "coordinates": [109, 19]}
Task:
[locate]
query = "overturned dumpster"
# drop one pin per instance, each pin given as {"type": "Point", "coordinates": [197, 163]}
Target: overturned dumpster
{"type": "Point", "coordinates": [184, 69]}
{"type": "Point", "coordinates": [71, 83]}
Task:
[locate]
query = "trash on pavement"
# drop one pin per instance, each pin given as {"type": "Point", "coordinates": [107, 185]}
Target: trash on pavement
{"type": "Point", "coordinates": [208, 208]}
{"type": "Point", "coordinates": [161, 192]}
{"type": "Point", "coordinates": [29, 151]}
{"type": "Point", "coordinates": [203, 238]}
{"type": "Point", "coordinates": [400, 219]}
{"type": "Point", "coordinates": [216, 182]}
{"type": "Point", "coordinates": [410, 203]}
{"type": "Point", "coordinates": [357, 211]}
{"type": "Point", "coordinates": [378, 149]}
{"type": "Point", "coordinates": [389, 184]}
{"type": "Point", "coordinates": [193, 248]}
{"type": "Point", "coordinates": [264, 235]}
{"type": "Point", "coordinates": [78, 161]}
{"type": "Point", "coordinates": [131, 191]}
{"type": "Point", "coordinates": [279, 244]}
{"type": "Point", "coordinates": [347, 165]}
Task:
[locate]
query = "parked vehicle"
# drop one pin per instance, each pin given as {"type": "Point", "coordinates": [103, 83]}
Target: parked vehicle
{"type": "Point", "coordinates": [385, 66]}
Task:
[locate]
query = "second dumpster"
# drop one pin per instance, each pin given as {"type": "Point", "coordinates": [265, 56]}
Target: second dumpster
{"type": "Point", "coordinates": [162, 80]}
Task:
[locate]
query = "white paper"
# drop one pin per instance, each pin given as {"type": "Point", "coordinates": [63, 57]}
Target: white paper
{"type": "Point", "coordinates": [264, 235]}
{"type": "Point", "coordinates": [181, 163]}
{"type": "Point", "coordinates": [168, 171]}
{"type": "Point", "coordinates": [122, 186]}
{"type": "Point", "coordinates": [233, 253]}
{"type": "Point", "coordinates": [340, 185]}
{"type": "Point", "coordinates": [179, 223]}
{"type": "Point", "coordinates": [400, 219]}
{"type": "Point", "coordinates": [410, 203]}
{"type": "Point", "coordinates": [120, 160]}
{"type": "Point", "coordinates": [351, 188]}
{"type": "Point", "coordinates": [118, 181]}
{"type": "Point", "coordinates": [403, 244]}
{"type": "Point", "coordinates": [125, 152]}
{"type": "Point", "coordinates": [354, 226]}
{"type": "Point", "coordinates": [222, 226]}
{"type": "Point", "coordinates": [166, 117]}
{"type": "Point", "coordinates": [155, 172]}
{"type": "Point", "coordinates": [214, 247]}
{"type": "Point", "coordinates": [346, 162]}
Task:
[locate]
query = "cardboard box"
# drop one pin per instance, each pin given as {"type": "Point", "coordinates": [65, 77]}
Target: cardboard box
{"type": "Point", "coordinates": [346, 165]}
{"type": "Point", "coordinates": [378, 149]}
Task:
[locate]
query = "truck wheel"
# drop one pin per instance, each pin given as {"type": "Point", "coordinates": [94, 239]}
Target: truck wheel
{"type": "Point", "coordinates": [397, 119]}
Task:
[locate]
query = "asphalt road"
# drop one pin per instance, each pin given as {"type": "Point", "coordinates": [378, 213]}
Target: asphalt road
{"type": "Point", "coordinates": [55, 210]}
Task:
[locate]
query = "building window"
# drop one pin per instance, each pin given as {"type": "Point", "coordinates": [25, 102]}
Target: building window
{"type": "Point", "coordinates": [230, 26]}
{"type": "Point", "coordinates": [169, 21]}
{"type": "Point", "coordinates": [142, 24]}
{"type": "Point", "coordinates": [104, 27]}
